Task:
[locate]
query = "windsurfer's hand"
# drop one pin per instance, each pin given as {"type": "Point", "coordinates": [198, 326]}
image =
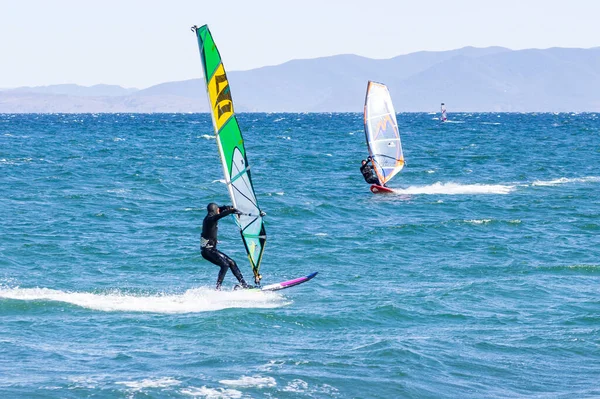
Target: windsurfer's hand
{"type": "Point", "coordinates": [262, 214]}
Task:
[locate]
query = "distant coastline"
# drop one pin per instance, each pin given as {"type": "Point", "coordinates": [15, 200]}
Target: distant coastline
{"type": "Point", "coordinates": [492, 79]}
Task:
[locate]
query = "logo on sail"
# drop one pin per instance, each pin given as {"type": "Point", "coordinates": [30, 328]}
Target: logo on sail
{"type": "Point", "coordinates": [220, 97]}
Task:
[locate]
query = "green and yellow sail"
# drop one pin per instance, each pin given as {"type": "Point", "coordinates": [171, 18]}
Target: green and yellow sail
{"type": "Point", "coordinates": [231, 150]}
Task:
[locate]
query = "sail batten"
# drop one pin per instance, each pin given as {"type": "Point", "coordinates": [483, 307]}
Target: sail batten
{"type": "Point", "coordinates": [232, 151]}
{"type": "Point", "coordinates": [381, 131]}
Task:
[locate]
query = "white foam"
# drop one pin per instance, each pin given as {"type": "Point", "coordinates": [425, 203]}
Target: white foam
{"type": "Point", "coordinates": [297, 386]}
{"type": "Point", "coordinates": [478, 221]}
{"type": "Point", "coordinates": [83, 382]}
{"type": "Point", "coordinates": [207, 137]}
{"type": "Point", "coordinates": [455, 188]}
{"type": "Point", "coordinates": [564, 180]}
{"type": "Point", "coordinates": [219, 181]}
{"type": "Point", "coordinates": [15, 161]}
{"type": "Point", "coordinates": [191, 301]}
{"type": "Point", "coordinates": [256, 381]}
{"type": "Point", "coordinates": [212, 393]}
{"type": "Point", "coordinates": [150, 383]}
{"type": "Point", "coordinates": [118, 191]}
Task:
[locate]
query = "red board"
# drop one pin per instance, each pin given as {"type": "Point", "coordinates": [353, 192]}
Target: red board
{"type": "Point", "coordinates": [376, 189]}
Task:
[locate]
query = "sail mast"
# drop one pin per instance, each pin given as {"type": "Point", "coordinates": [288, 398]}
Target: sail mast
{"type": "Point", "coordinates": [232, 151]}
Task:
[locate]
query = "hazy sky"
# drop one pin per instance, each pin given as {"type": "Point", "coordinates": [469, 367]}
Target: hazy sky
{"type": "Point", "coordinates": [139, 43]}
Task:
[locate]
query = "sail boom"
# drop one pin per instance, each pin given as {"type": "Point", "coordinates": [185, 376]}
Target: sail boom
{"type": "Point", "coordinates": [380, 140]}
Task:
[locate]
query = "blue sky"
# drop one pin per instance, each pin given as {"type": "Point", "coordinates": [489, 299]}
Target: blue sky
{"type": "Point", "coordinates": [135, 43]}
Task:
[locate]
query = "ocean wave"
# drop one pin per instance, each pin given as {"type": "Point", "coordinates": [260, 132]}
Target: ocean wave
{"type": "Point", "coordinates": [15, 161]}
{"type": "Point", "coordinates": [455, 189]}
{"type": "Point", "coordinates": [296, 386]}
{"type": "Point", "coordinates": [488, 221]}
{"type": "Point", "coordinates": [119, 191]}
{"type": "Point", "coordinates": [564, 180]}
{"type": "Point", "coordinates": [191, 301]}
{"type": "Point", "coordinates": [212, 393]}
{"type": "Point", "coordinates": [150, 383]}
{"type": "Point", "coordinates": [207, 137]}
{"type": "Point", "coordinates": [579, 268]}
{"type": "Point", "coordinates": [478, 221]}
{"type": "Point", "coordinates": [256, 381]}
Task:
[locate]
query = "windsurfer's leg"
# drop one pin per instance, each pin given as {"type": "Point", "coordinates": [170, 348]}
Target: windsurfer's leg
{"type": "Point", "coordinates": [235, 269]}
{"type": "Point", "coordinates": [216, 257]}
{"type": "Point", "coordinates": [221, 276]}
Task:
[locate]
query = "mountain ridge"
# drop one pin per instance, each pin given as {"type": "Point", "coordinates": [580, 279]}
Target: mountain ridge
{"type": "Point", "coordinates": [467, 79]}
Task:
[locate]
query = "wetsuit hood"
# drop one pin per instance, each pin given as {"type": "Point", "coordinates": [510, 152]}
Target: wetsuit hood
{"type": "Point", "coordinates": [212, 207]}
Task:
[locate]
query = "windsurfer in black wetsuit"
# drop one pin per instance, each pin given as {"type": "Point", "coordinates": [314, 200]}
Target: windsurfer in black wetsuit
{"type": "Point", "coordinates": [208, 243]}
{"type": "Point", "coordinates": [368, 172]}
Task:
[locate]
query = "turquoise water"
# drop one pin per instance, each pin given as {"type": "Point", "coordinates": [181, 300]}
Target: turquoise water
{"type": "Point", "coordinates": [479, 278]}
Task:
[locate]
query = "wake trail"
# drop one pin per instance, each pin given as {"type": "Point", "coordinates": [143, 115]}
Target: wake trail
{"type": "Point", "coordinates": [191, 301]}
{"type": "Point", "coordinates": [470, 189]}
{"type": "Point", "coordinates": [457, 189]}
{"type": "Point", "coordinates": [565, 180]}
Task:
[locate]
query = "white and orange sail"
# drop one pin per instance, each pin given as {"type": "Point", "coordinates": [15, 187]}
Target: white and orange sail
{"type": "Point", "coordinates": [381, 130]}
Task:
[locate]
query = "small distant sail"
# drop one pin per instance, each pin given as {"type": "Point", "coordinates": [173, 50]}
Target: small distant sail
{"type": "Point", "coordinates": [381, 130]}
{"type": "Point", "coordinates": [232, 151]}
{"type": "Point", "coordinates": [444, 116]}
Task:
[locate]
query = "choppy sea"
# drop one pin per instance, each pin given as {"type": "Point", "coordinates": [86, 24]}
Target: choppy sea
{"type": "Point", "coordinates": [479, 277]}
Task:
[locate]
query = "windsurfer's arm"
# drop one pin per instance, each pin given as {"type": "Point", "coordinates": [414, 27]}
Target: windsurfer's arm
{"type": "Point", "coordinates": [224, 211]}
{"type": "Point", "coordinates": [366, 165]}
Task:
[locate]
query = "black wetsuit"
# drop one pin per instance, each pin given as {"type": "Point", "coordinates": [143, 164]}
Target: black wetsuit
{"type": "Point", "coordinates": [369, 174]}
{"type": "Point", "coordinates": [209, 246]}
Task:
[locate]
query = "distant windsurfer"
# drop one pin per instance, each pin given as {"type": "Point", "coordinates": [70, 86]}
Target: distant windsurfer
{"type": "Point", "coordinates": [368, 172]}
{"type": "Point", "coordinates": [208, 243]}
